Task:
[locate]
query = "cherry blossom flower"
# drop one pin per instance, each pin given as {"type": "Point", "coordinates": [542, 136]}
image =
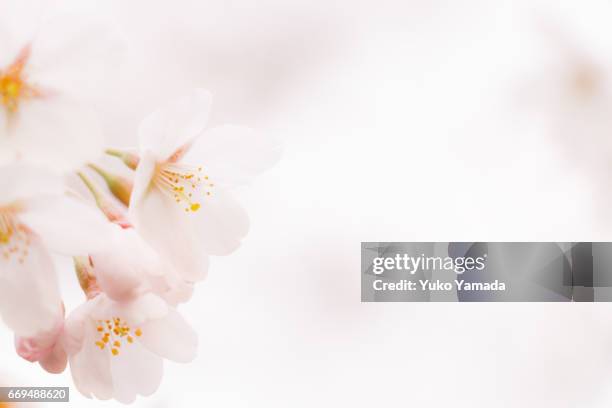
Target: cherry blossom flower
{"type": "Point", "coordinates": [129, 267]}
{"type": "Point", "coordinates": [47, 82]}
{"type": "Point", "coordinates": [180, 203]}
{"type": "Point", "coordinates": [35, 219]}
{"type": "Point", "coordinates": [116, 349]}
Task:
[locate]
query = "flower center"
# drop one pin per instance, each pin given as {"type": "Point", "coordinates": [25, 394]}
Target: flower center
{"type": "Point", "coordinates": [186, 185]}
{"type": "Point", "coordinates": [13, 86]}
{"type": "Point", "coordinates": [113, 333]}
{"type": "Point", "coordinates": [14, 237]}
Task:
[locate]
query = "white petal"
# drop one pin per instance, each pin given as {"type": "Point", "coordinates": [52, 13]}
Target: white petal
{"type": "Point", "coordinates": [170, 337]}
{"type": "Point", "coordinates": [73, 335]}
{"type": "Point", "coordinates": [29, 293]}
{"type": "Point", "coordinates": [53, 131]}
{"type": "Point", "coordinates": [67, 225]}
{"type": "Point", "coordinates": [20, 182]}
{"type": "Point", "coordinates": [90, 367]}
{"type": "Point", "coordinates": [170, 231]}
{"type": "Point", "coordinates": [135, 371]}
{"type": "Point", "coordinates": [220, 224]}
{"type": "Point", "coordinates": [233, 154]}
{"type": "Point", "coordinates": [75, 54]}
{"type": "Point", "coordinates": [175, 124]}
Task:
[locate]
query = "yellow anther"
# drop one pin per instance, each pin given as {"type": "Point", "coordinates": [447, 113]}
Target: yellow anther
{"type": "Point", "coordinates": [100, 328]}
{"type": "Point", "coordinates": [182, 184]}
{"type": "Point", "coordinates": [114, 335]}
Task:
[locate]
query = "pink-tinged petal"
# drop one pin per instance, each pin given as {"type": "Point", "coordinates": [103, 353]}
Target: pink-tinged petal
{"type": "Point", "coordinates": [42, 345]}
{"type": "Point", "coordinates": [169, 230]}
{"type": "Point", "coordinates": [135, 312]}
{"type": "Point", "coordinates": [220, 224]}
{"type": "Point", "coordinates": [53, 131]}
{"type": "Point", "coordinates": [29, 294]}
{"type": "Point", "coordinates": [170, 337]}
{"type": "Point", "coordinates": [135, 371]}
{"type": "Point", "coordinates": [123, 270]}
{"type": "Point", "coordinates": [176, 124]}
{"type": "Point", "coordinates": [90, 367]}
{"type": "Point", "coordinates": [55, 362]}
{"type": "Point", "coordinates": [233, 155]}
{"type": "Point", "coordinates": [67, 225]}
{"type": "Point", "coordinates": [20, 182]}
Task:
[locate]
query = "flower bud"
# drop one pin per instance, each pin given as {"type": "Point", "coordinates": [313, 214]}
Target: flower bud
{"type": "Point", "coordinates": [129, 159]}
{"type": "Point", "coordinates": [118, 185]}
{"type": "Point", "coordinates": [114, 214]}
{"type": "Point", "coordinates": [84, 273]}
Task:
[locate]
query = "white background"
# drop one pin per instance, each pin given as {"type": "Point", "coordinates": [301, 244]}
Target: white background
{"type": "Point", "coordinates": [402, 121]}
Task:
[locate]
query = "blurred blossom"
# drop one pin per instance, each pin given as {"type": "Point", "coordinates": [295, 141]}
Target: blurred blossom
{"type": "Point", "coordinates": [35, 218]}
{"type": "Point", "coordinates": [572, 98]}
{"type": "Point", "coordinates": [47, 78]}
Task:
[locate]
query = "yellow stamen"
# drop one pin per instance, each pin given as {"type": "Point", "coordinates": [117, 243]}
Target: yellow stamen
{"type": "Point", "coordinates": [118, 329]}
{"type": "Point", "coordinates": [15, 238]}
{"type": "Point", "coordinates": [183, 184]}
{"type": "Point", "coordinates": [13, 84]}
